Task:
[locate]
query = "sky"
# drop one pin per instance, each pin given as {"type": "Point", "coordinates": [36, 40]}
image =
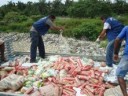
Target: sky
{"type": "Point", "coordinates": [3, 2]}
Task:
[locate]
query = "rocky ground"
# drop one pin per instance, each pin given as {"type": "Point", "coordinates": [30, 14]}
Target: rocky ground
{"type": "Point", "coordinates": [54, 43]}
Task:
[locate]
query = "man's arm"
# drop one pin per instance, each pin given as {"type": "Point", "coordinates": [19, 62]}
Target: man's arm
{"type": "Point", "coordinates": [53, 26]}
{"type": "Point", "coordinates": [116, 45]}
{"type": "Point", "coordinates": [119, 39]}
{"type": "Point", "coordinates": [102, 34]}
{"type": "Point", "coordinates": [56, 28]}
{"type": "Point", "coordinates": [116, 50]}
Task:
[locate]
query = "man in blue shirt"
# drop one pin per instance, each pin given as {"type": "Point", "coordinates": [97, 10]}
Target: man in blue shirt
{"type": "Point", "coordinates": [38, 29]}
{"type": "Point", "coordinates": [111, 29]}
{"type": "Point", "coordinates": [122, 68]}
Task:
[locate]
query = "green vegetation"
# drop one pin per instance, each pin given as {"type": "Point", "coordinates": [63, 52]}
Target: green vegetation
{"type": "Point", "coordinates": [103, 43]}
{"type": "Point", "coordinates": [80, 19]}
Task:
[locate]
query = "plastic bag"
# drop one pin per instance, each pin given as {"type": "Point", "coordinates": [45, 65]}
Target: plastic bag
{"type": "Point", "coordinates": [49, 90]}
{"type": "Point", "coordinates": [113, 92]}
{"type": "Point", "coordinates": [12, 82]}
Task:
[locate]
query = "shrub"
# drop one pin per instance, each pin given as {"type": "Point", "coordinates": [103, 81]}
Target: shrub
{"type": "Point", "coordinates": [3, 28]}
{"type": "Point", "coordinates": [2, 23]}
{"type": "Point", "coordinates": [78, 27]}
{"type": "Point", "coordinates": [35, 17]}
{"type": "Point", "coordinates": [86, 29]}
{"type": "Point", "coordinates": [103, 43]}
{"type": "Point", "coordinates": [21, 27]}
{"type": "Point", "coordinates": [12, 17]}
{"type": "Point", "coordinates": [123, 19]}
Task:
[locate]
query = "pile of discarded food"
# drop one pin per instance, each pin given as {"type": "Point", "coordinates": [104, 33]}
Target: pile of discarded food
{"type": "Point", "coordinates": [54, 76]}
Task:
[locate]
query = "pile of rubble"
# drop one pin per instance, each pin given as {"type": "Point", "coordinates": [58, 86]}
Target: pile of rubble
{"type": "Point", "coordinates": [55, 43]}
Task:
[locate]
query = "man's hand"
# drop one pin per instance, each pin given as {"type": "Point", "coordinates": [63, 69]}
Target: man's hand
{"type": "Point", "coordinates": [115, 57]}
{"type": "Point", "coordinates": [58, 28]}
{"type": "Point", "coordinates": [123, 43]}
{"type": "Point", "coordinates": [62, 28]}
{"type": "Point", "coordinates": [97, 40]}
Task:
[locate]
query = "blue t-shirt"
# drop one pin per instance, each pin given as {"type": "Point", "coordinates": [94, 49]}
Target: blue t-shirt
{"type": "Point", "coordinates": [124, 35]}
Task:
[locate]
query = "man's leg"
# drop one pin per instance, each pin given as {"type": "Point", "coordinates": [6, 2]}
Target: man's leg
{"type": "Point", "coordinates": [121, 71]}
{"type": "Point", "coordinates": [109, 53]}
{"type": "Point", "coordinates": [122, 84]}
{"type": "Point", "coordinates": [41, 48]}
{"type": "Point", "coordinates": [2, 49]}
{"type": "Point", "coordinates": [34, 44]}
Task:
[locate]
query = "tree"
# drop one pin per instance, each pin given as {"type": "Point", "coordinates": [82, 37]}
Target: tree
{"type": "Point", "coordinates": [120, 7]}
{"type": "Point", "coordinates": [21, 6]}
{"type": "Point", "coordinates": [89, 8]}
{"type": "Point", "coordinates": [57, 8]}
{"type": "Point", "coordinates": [43, 7]}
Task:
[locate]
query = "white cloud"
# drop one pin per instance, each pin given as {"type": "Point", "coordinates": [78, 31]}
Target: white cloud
{"type": "Point", "coordinates": [3, 2]}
